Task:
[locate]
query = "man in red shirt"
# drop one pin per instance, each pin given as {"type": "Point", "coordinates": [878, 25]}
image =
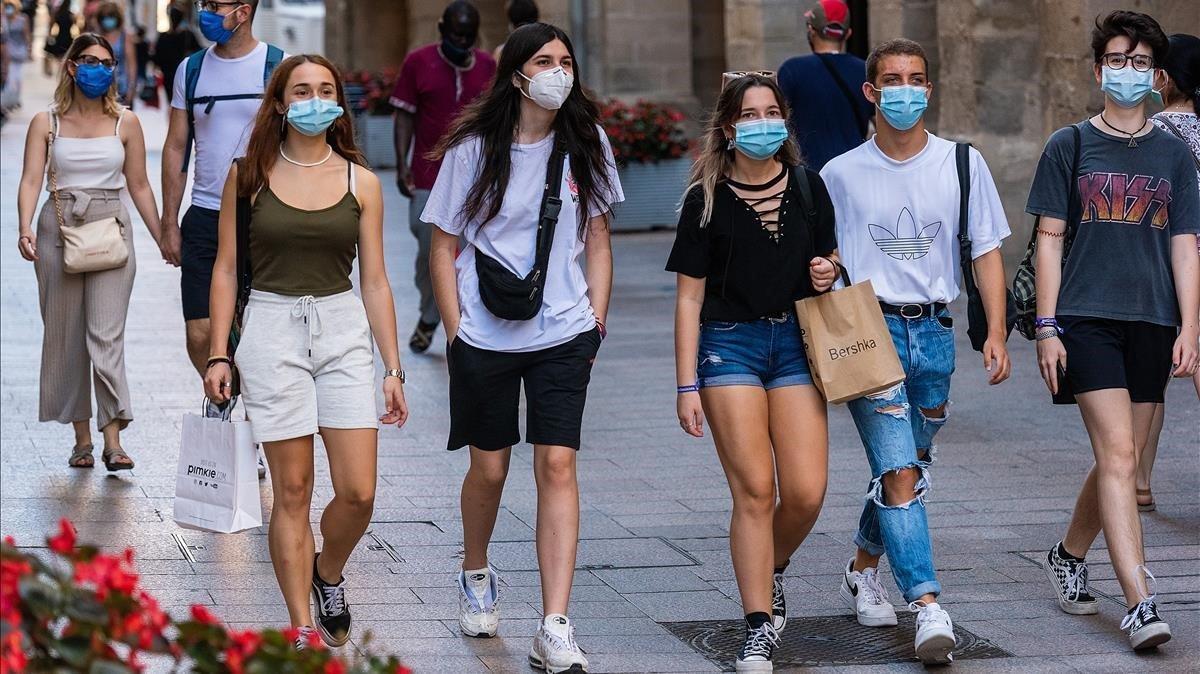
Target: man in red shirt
{"type": "Point", "coordinates": [435, 83]}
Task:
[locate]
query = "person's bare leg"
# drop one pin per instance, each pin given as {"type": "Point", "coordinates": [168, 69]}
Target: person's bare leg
{"type": "Point", "coordinates": [557, 523]}
{"type": "Point", "coordinates": [83, 432]}
{"type": "Point", "coordinates": [1147, 451]}
{"type": "Point", "coordinates": [800, 437]}
{"type": "Point", "coordinates": [197, 343]}
{"type": "Point", "coordinates": [352, 469]}
{"type": "Point", "coordinates": [290, 536]}
{"type": "Point", "coordinates": [1086, 523]}
{"type": "Point", "coordinates": [1109, 419]}
{"type": "Point", "coordinates": [480, 502]}
{"type": "Point", "coordinates": [740, 423]}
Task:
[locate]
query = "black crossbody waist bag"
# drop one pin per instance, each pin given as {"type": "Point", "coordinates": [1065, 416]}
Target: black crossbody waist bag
{"type": "Point", "coordinates": [505, 294]}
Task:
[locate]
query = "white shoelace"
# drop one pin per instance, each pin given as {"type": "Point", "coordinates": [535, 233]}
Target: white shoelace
{"type": "Point", "coordinates": [929, 613]}
{"type": "Point", "coordinates": [561, 644]}
{"type": "Point", "coordinates": [760, 641]}
{"type": "Point", "coordinates": [1076, 580]}
{"type": "Point", "coordinates": [306, 308]}
{"type": "Point", "coordinates": [1145, 608]}
{"type": "Point", "coordinates": [333, 599]}
{"type": "Point", "coordinates": [874, 589]}
{"type": "Point", "coordinates": [777, 599]}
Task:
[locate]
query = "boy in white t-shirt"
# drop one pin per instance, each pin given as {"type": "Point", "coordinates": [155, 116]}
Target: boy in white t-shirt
{"type": "Point", "coordinates": [897, 203]}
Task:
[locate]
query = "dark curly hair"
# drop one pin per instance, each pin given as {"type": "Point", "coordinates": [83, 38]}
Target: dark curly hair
{"type": "Point", "coordinates": [1137, 27]}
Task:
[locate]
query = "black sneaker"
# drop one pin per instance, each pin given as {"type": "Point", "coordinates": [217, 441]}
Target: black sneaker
{"type": "Point", "coordinates": [1070, 578]}
{"type": "Point", "coordinates": [422, 336]}
{"type": "Point", "coordinates": [778, 604]}
{"type": "Point", "coordinates": [1146, 628]}
{"type": "Point", "coordinates": [758, 649]}
{"type": "Point", "coordinates": [333, 613]}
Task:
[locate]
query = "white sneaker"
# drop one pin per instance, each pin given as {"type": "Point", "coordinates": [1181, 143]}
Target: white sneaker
{"type": "Point", "coordinates": [867, 596]}
{"type": "Point", "coordinates": [935, 633]}
{"type": "Point", "coordinates": [478, 602]}
{"type": "Point", "coordinates": [554, 649]}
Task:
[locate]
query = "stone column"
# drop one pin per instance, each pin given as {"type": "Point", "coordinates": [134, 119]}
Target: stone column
{"type": "Point", "coordinates": [640, 49]}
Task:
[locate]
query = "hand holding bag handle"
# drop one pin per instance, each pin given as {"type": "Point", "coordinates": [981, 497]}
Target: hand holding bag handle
{"type": "Point", "coordinates": [93, 246]}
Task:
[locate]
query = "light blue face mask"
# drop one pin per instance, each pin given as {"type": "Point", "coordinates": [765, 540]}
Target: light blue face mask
{"type": "Point", "coordinates": [313, 116]}
{"type": "Point", "coordinates": [1126, 87]}
{"type": "Point", "coordinates": [760, 138]}
{"type": "Point", "coordinates": [903, 106]}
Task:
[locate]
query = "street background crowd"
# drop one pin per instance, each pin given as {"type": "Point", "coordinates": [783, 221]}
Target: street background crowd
{"type": "Point", "coordinates": [163, 341]}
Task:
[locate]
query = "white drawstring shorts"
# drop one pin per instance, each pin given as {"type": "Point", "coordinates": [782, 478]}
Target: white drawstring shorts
{"type": "Point", "coordinates": [306, 363]}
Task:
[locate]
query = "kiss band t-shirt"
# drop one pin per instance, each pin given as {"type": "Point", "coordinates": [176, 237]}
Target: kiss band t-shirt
{"type": "Point", "coordinates": [1134, 200]}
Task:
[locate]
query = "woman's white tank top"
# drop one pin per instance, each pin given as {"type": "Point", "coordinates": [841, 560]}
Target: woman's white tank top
{"type": "Point", "coordinates": [88, 163]}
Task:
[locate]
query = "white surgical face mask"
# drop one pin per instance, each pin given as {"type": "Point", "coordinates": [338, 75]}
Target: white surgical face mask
{"type": "Point", "coordinates": [549, 88]}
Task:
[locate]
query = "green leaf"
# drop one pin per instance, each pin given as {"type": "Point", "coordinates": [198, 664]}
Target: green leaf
{"type": "Point", "coordinates": [39, 594]}
{"type": "Point", "coordinates": [85, 608]}
{"type": "Point", "coordinates": [108, 667]}
{"type": "Point", "coordinates": [75, 650]}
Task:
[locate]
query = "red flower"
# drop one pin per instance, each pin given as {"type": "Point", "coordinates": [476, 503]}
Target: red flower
{"type": "Point", "coordinates": [64, 542]}
{"type": "Point", "coordinates": [12, 656]}
{"type": "Point", "coordinates": [401, 669]}
{"type": "Point", "coordinates": [10, 541]}
{"type": "Point", "coordinates": [291, 634]}
{"type": "Point", "coordinates": [203, 616]}
{"type": "Point", "coordinates": [314, 640]}
{"type": "Point", "coordinates": [334, 667]}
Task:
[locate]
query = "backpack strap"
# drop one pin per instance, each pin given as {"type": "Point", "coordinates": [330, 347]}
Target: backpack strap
{"type": "Point", "coordinates": [274, 57]}
{"type": "Point", "coordinates": [243, 212]}
{"type": "Point", "coordinates": [1074, 199]}
{"type": "Point", "coordinates": [962, 164]}
{"type": "Point", "coordinates": [855, 105]}
{"type": "Point", "coordinates": [191, 77]}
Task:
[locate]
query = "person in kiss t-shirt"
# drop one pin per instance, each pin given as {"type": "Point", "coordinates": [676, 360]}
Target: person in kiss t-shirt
{"type": "Point", "coordinates": [1108, 317]}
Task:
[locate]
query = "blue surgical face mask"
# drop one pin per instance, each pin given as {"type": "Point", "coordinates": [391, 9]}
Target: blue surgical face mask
{"type": "Point", "coordinates": [903, 106]}
{"type": "Point", "coordinates": [93, 81]}
{"type": "Point", "coordinates": [110, 23]}
{"type": "Point", "coordinates": [212, 26]}
{"type": "Point", "coordinates": [1126, 87]}
{"type": "Point", "coordinates": [760, 138]}
{"type": "Point", "coordinates": [313, 116]}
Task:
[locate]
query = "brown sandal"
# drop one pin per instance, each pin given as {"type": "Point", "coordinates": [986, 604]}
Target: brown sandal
{"type": "Point", "coordinates": [111, 453]}
{"type": "Point", "coordinates": [1145, 501]}
{"type": "Point", "coordinates": [81, 457]}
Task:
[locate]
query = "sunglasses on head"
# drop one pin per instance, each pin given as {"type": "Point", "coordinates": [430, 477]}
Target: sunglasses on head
{"type": "Point", "coordinates": [734, 75]}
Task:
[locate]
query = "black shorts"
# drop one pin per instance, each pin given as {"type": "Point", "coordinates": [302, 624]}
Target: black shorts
{"type": "Point", "coordinates": [199, 252]}
{"type": "Point", "coordinates": [485, 393]}
{"type": "Point", "coordinates": [1104, 353]}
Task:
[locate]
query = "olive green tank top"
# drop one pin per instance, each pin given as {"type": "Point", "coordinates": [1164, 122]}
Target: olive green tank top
{"type": "Point", "coordinates": [299, 252]}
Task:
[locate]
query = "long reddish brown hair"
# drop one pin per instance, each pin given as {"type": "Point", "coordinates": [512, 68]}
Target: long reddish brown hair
{"type": "Point", "coordinates": [270, 124]}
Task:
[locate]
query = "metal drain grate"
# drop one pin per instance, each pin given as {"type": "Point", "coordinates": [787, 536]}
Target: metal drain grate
{"type": "Point", "coordinates": [832, 640]}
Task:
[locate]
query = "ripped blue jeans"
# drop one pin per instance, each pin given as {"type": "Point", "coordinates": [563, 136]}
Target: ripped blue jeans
{"type": "Point", "coordinates": [897, 429]}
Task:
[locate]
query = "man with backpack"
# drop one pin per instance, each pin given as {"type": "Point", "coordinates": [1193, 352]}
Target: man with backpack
{"type": "Point", "coordinates": [216, 95]}
{"type": "Point", "coordinates": [906, 223]}
{"type": "Point", "coordinates": [824, 88]}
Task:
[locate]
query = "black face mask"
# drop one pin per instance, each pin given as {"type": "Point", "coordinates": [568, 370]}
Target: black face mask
{"type": "Point", "coordinates": [454, 53]}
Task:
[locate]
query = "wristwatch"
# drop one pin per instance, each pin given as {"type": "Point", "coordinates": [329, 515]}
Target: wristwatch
{"type": "Point", "coordinates": [398, 374]}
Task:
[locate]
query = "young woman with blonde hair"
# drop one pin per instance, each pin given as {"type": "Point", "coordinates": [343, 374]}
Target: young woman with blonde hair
{"type": "Point", "coordinates": [756, 233]}
{"type": "Point", "coordinates": [93, 148]}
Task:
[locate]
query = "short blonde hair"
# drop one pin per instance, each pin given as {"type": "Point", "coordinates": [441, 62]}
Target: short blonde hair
{"type": "Point", "coordinates": [64, 91]}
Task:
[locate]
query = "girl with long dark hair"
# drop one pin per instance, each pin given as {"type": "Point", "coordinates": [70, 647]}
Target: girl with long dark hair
{"type": "Point", "coordinates": [305, 357]}
{"type": "Point", "coordinates": [96, 149]}
{"type": "Point", "coordinates": [756, 233]}
{"type": "Point", "coordinates": [495, 179]}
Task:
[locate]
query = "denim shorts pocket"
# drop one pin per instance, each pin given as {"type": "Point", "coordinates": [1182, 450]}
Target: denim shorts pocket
{"type": "Point", "coordinates": [946, 322]}
{"type": "Point", "coordinates": [718, 326]}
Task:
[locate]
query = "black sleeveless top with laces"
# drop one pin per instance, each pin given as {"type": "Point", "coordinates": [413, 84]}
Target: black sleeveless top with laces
{"type": "Point", "coordinates": [754, 251]}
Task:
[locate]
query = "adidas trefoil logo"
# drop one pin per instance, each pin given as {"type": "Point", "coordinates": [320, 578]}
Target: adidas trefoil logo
{"type": "Point", "coordinates": [899, 244]}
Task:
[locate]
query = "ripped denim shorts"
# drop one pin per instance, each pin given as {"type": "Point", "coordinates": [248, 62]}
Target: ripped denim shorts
{"type": "Point", "coordinates": [766, 352]}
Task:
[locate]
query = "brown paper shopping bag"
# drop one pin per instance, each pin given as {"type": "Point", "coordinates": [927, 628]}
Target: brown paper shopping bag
{"type": "Point", "coordinates": [850, 351]}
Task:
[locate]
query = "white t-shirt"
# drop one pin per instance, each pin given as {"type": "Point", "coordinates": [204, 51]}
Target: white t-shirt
{"type": "Point", "coordinates": [897, 221]}
{"type": "Point", "coordinates": [221, 135]}
{"type": "Point", "coordinates": [510, 237]}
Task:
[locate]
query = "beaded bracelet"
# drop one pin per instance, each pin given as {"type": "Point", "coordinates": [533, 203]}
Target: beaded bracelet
{"type": "Point", "coordinates": [690, 388]}
{"type": "Point", "coordinates": [1047, 333]}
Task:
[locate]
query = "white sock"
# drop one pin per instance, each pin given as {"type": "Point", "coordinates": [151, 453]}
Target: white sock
{"type": "Point", "coordinates": [479, 582]}
{"type": "Point", "coordinates": [557, 624]}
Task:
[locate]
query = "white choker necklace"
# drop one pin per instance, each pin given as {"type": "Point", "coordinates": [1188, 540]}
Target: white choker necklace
{"type": "Point", "coordinates": [297, 163]}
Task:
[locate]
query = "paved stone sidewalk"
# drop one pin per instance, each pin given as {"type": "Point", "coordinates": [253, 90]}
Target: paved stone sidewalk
{"type": "Point", "coordinates": [655, 505]}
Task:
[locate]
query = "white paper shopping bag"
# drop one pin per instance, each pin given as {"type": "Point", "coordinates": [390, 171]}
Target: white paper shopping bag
{"type": "Point", "coordinates": [216, 487]}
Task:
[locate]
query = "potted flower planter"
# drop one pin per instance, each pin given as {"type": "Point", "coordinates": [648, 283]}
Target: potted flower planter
{"type": "Point", "coordinates": [375, 139]}
{"type": "Point", "coordinates": [652, 194]}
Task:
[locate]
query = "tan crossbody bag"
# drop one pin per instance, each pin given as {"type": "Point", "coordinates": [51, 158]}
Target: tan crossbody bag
{"type": "Point", "coordinates": [98, 245]}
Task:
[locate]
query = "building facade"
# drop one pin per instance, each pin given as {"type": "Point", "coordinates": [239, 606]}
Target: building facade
{"type": "Point", "coordinates": [1006, 73]}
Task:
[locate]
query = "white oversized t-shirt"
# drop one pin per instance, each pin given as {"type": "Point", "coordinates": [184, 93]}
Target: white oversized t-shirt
{"type": "Point", "coordinates": [897, 221]}
{"type": "Point", "coordinates": [510, 238]}
{"type": "Point", "coordinates": [222, 134]}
